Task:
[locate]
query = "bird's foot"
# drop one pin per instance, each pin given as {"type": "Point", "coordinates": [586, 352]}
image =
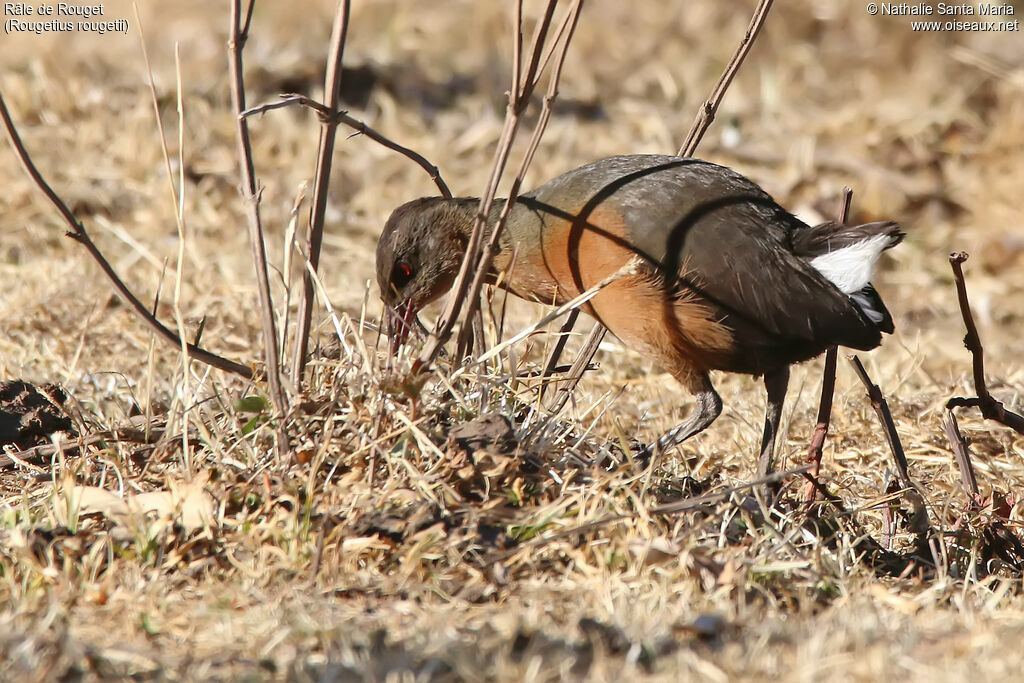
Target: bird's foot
{"type": "Point", "coordinates": [644, 454]}
{"type": "Point", "coordinates": [640, 453]}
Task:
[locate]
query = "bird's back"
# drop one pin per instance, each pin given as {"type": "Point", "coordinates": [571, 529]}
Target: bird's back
{"type": "Point", "coordinates": [660, 197]}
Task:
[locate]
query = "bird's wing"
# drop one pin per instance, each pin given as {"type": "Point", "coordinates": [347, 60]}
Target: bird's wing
{"type": "Point", "coordinates": [737, 255]}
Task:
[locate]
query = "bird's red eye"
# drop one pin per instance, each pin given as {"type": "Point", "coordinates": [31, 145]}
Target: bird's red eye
{"type": "Point", "coordinates": [401, 274]}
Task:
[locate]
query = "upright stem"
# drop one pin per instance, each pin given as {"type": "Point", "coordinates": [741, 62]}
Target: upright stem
{"type": "Point", "coordinates": [709, 109]}
{"type": "Point", "coordinates": [252, 203]}
{"type": "Point", "coordinates": [476, 261]}
{"type": "Point", "coordinates": [700, 126]}
{"type": "Point", "coordinates": [828, 390]}
{"type": "Point", "coordinates": [321, 186]}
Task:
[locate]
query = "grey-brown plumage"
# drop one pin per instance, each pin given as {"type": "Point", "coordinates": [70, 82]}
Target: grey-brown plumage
{"type": "Point", "coordinates": [728, 280]}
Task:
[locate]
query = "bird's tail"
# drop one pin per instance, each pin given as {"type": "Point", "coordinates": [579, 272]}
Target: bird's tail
{"type": "Point", "coordinates": [846, 256]}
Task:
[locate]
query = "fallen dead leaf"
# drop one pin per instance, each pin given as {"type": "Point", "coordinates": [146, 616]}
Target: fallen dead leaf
{"type": "Point", "coordinates": [190, 505]}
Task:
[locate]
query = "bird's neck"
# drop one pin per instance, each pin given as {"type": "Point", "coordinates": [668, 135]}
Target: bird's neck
{"type": "Point", "coordinates": [464, 214]}
{"type": "Point", "coordinates": [520, 242]}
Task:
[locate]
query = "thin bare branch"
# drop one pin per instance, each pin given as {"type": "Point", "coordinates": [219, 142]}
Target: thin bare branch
{"type": "Point", "coordinates": [881, 407]}
{"type": "Point", "coordinates": [325, 113]}
{"type": "Point", "coordinates": [991, 409]}
{"type": "Point", "coordinates": [927, 536]}
{"type": "Point", "coordinates": [517, 46]}
{"type": "Point", "coordinates": [484, 266]}
{"type": "Point", "coordinates": [579, 366]}
{"type": "Point", "coordinates": [475, 261]}
{"type": "Point", "coordinates": [710, 107]}
{"type": "Point", "coordinates": [78, 233]}
{"type": "Point", "coordinates": [551, 362]}
{"type": "Point", "coordinates": [243, 35]}
{"type": "Point", "coordinates": [568, 24]}
{"type": "Point", "coordinates": [525, 87]}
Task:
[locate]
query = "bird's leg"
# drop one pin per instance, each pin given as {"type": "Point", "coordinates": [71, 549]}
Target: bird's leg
{"type": "Point", "coordinates": [706, 410]}
{"type": "Point", "coordinates": [776, 384]}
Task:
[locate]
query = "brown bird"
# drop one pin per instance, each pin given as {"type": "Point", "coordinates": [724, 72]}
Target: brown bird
{"type": "Point", "coordinates": [723, 278]}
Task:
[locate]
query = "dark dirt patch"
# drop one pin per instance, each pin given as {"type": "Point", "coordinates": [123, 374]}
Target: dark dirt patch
{"type": "Point", "coordinates": [30, 414]}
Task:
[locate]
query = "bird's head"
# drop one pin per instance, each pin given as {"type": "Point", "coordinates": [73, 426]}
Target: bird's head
{"type": "Point", "coordinates": [418, 257]}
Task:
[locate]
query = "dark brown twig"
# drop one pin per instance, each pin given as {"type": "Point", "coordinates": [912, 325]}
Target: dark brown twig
{"type": "Point", "coordinates": [828, 389]}
{"type": "Point", "coordinates": [991, 409]}
{"type": "Point", "coordinates": [691, 503]}
{"type": "Point", "coordinates": [996, 538]}
{"type": "Point", "coordinates": [701, 123]}
{"type": "Point", "coordinates": [326, 114]}
{"type": "Point", "coordinates": [579, 366]}
{"type": "Point", "coordinates": [78, 233]}
{"type": "Point", "coordinates": [321, 185]}
{"type": "Point", "coordinates": [554, 355]}
{"type": "Point", "coordinates": [922, 525]}
{"type": "Point", "coordinates": [881, 407]}
{"type": "Point", "coordinates": [251, 196]}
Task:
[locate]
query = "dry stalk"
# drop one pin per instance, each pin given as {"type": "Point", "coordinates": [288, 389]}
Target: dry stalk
{"type": "Point", "coordinates": [478, 260]}
{"type": "Point", "coordinates": [563, 34]}
{"type": "Point", "coordinates": [178, 202]}
{"type": "Point", "coordinates": [710, 107]}
{"type": "Point", "coordinates": [77, 232]}
{"type": "Point", "coordinates": [962, 455]}
{"type": "Point", "coordinates": [690, 503]}
{"type": "Point", "coordinates": [828, 388]}
{"type": "Point", "coordinates": [991, 409]}
{"type": "Point", "coordinates": [251, 195]}
{"type": "Point", "coordinates": [925, 531]}
{"type": "Point", "coordinates": [290, 247]}
{"type": "Point", "coordinates": [321, 186]}
{"type": "Point", "coordinates": [701, 123]}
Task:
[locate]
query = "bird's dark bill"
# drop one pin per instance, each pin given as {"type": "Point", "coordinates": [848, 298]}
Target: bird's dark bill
{"type": "Point", "coordinates": [400, 324]}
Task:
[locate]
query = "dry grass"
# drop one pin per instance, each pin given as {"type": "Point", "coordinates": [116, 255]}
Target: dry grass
{"type": "Point", "coordinates": [387, 552]}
